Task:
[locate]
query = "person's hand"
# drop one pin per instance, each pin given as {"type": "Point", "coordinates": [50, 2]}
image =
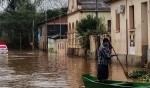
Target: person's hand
{"type": "Point", "coordinates": [110, 46]}
{"type": "Point", "coordinates": [114, 55]}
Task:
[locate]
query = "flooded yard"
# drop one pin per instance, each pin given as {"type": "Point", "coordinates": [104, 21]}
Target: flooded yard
{"type": "Point", "coordinates": [29, 69]}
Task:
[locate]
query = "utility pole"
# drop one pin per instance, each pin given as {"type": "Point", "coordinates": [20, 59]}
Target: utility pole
{"type": "Point", "coordinates": [20, 41]}
{"type": "Point", "coordinates": [97, 43]}
{"type": "Point", "coordinates": [60, 24]}
{"type": "Point", "coordinates": [46, 39]}
{"type": "Point", "coordinates": [33, 36]}
{"type": "Point", "coordinates": [96, 10]}
{"type": "Point", "coordinates": [126, 36]}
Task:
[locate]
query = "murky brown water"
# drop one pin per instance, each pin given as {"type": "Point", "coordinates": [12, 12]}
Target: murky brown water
{"type": "Point", "coordinates": [41, 70]}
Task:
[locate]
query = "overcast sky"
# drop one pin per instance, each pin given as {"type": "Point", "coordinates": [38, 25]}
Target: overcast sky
{"type": "Point", "coordinates": [2, 5]}
{"type": "Point", "coordinates": [47, 4]}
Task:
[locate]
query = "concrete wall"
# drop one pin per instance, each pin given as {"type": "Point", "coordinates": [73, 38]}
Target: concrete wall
{"type": "Point", "coordinates": [52, 45]}
{"type": "Point", "coordinates": [136, 53]}
{"type": "Point", "coordinates": [92, 46]}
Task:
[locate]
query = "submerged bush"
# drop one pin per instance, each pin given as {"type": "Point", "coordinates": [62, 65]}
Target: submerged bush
{"type": "Point", "coordinates": [138, 73]}
{"type": "Point", "coordinates": [145, 77]}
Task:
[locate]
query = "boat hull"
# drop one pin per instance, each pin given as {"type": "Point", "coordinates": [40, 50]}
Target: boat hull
{"type": "Point", "coordinates": [90, 82]}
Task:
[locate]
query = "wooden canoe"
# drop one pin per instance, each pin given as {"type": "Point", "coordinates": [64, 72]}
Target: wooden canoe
{"type": "Point", "coordinates": [90, 82]}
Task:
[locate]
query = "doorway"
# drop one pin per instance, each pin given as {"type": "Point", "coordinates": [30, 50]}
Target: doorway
{"type": "Point", "coordinates": [144, 31]}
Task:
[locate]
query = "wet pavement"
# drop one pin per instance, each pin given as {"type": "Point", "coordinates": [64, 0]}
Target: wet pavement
{"type": "Point", "coordinates": [29, 69]}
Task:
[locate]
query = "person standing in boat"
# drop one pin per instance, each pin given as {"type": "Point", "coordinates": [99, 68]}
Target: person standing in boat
{"type": "Point", "coordinates": [104, 59]}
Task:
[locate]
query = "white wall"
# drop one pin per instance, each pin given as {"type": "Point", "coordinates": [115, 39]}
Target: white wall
{"type": "Point", "coordinates": [119, 38]}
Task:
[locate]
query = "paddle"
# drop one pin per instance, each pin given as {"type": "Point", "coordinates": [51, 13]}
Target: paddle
{"type": "Point", "coordinates": [125, 72]}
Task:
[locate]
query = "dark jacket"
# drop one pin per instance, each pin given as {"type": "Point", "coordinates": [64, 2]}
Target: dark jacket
{"type": "Point", "coordinates": [104, 54]}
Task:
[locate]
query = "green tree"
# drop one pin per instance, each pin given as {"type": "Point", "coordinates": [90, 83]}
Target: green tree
{"type": "Point", "coordinates": [86, 27]}
{"type": "Point", "coordinates": [56, 12]}
{"type": "Point", "coordinates": [18, 23]}
{"type": "Point", "coordinates": [13, 5]}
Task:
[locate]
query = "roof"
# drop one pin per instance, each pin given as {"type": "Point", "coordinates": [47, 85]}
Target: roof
{"type": "Point", "coordinates": [90, 5]}
{"type": "Point", "coordinates": [109, 1]}
{"type": "Point", "coordinates": [57, 36]}
{"type": "Point", "coordinates": [53, 19]}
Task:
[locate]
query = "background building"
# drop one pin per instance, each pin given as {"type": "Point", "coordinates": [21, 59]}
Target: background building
{"type": "Point", "coordinates": [50, 31]}
{"type": "Point", "coordinates": [78, 9]}
{"type": "Point", "coordinates": [130, 30]}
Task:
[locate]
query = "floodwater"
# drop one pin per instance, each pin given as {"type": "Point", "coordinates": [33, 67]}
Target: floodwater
{"type": "Point", "coordinates": [29, 69]}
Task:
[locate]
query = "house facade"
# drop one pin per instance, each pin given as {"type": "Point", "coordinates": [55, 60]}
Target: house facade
{"type": "Point", "coordinates": [130, 30]}
{"type": "Point", "coordinates": [78, 9]}
{"type": "Point", "coordinates": [51, 30]}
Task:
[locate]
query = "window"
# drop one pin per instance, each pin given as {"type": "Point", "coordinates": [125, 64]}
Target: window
{"type": "Point", "coordinates": [76, 24]}
{"type": "Point", "coordinates": [109, 25]}
{"type": "Point", "coordinates": [117, 22]}
{"type": "Point", "coordinates": [58, 45]}
{"type": "Point", "coordinates": [74, 36]}
{"type": "Point", "coordinates": [131, 16]}
{"type": "Point", "coordinates": [69, 27]}
{"type": "Point", "coordinates": [69, 35]}
{"type": "Point", "coordinates": [72, 26]}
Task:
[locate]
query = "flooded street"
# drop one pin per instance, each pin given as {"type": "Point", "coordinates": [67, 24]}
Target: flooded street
{"type": "Point", "coordinates": [37, 70]}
